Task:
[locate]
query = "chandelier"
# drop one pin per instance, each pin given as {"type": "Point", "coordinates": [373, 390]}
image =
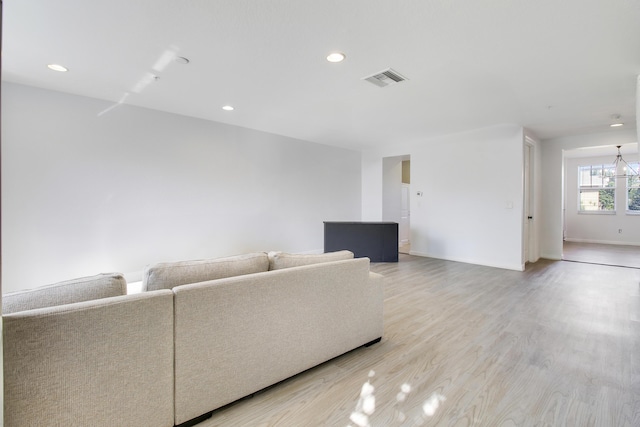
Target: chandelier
{"type": "Point", "coordinates": [629, 172]}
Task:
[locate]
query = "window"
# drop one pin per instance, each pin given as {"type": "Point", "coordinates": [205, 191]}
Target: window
{"type": "Point", "coordinates": [633, 188]}
{"type": "Point", "coordinates": [597, 188]}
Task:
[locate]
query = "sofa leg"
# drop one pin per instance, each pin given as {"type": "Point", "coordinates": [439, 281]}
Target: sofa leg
{"type": "Point", "coordinates": [370, 343]}
{"type": "Point", "coordinates": [196, 420]}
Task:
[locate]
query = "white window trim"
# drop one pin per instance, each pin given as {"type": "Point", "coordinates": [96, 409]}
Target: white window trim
{"type": "Point", "coordinates": [635, 166]}
{"type": "Point", "coordinates": [582, 188]}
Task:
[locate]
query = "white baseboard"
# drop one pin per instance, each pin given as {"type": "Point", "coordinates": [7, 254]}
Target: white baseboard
{"type": "Point", "coordinates": [516, 267]}
{"type": "Point", "coordinates": [602, 242]}
{"type": "Point", "coordinates": [552, 257]}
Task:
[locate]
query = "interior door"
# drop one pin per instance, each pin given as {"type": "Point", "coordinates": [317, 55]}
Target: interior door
{"type": "Point", "coordinates": [528, 216]}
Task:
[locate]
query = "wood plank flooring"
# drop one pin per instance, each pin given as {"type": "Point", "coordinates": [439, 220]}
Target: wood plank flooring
{"type": "Point", "coordinates": [597, 253]}
{"type": "Point", "coordinates": [556, 345]}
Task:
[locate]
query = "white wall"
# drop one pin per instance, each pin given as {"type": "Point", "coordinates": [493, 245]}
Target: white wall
{"type": "Point", "coordinates": [392, 189]}
{"type": "Point", "coordinates": [372, 184]}
{"type": "Point", "coordinates": [552, 182]}
{"type": "Point", "coordinates": [472, 204]}
{"type": "Point", "coordinates": [597, 227]}
{"type": "Point", "coordinates": [83, 194]}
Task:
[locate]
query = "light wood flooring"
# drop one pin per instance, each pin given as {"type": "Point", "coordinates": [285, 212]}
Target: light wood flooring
{"type": "Point", "coordinates": [597, 253]}
{"type": "Point", "coordinates": [556, 345]}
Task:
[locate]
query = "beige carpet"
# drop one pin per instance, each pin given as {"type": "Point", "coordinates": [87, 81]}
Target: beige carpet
{"type": "Point", "coordinates": [596, 253]}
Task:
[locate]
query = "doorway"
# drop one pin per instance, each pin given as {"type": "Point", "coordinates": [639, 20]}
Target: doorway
{"type": "Point", "coordinates": [396, 200]}
{"type": "Point", "coordinates": [608, 236]}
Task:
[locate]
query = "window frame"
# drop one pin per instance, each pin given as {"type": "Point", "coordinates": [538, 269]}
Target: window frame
{"type": "Point", "coordinates": [604, 173]}
{"type": "Point", "coordinates": [628, 187]}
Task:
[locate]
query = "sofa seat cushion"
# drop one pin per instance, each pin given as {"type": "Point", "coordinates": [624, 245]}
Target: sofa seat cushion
{"type": "Point", "coordinates": [278, 260]}
{"type": "Point", "coordinates": [71, 291]}
{"type": "Point", "coordinates": [166, 275]}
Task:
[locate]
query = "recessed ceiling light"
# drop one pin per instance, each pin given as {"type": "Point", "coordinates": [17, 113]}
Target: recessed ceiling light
{"type": "Point", "coordinates": [57, 67]}
{"type": "Point", "coordinates": [615, 125]}
{"type": "Point", "coordinates": [227, 108]}
{"type": "Point", "coordinates": [182, 60]}
{"type": "Point", "coordinates": [336, 57]}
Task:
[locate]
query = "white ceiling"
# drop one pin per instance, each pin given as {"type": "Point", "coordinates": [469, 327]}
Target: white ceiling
{"type": "Point", "coordinates": [629, 152]}
{"type": "Point", "coordinates": [556, 67]}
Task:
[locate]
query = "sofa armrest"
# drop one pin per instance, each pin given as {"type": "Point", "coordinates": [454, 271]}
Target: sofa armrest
{"type": "Point", "coordinates": [100, 363]}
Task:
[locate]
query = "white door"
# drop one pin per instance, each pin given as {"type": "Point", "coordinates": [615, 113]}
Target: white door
{"type": "Point", "coordinates": [405, 212]}
{"type": "Point", "coordinates": [527, 240]}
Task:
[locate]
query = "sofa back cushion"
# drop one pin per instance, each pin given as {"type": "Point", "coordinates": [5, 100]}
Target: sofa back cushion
{"type": "Point", "coordinates": [70, 291]}
{"type": "Point", "coordinates": [278, 260]}
{"type": "Point", "coordinates": [166, 275]}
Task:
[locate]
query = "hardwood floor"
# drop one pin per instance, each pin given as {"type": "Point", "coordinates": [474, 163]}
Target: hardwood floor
{"type": "Point", "coordinates": [596, 253]}
{"type": "Point", "coordinates": [556, 345]}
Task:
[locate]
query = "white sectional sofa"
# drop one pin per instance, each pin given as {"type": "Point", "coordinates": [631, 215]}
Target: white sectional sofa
{"type": "Point", "coordinates": [201, 335]}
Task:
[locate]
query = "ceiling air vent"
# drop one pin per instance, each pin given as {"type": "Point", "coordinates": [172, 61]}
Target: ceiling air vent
{"type": "Point", "coordinates": [385, 78]}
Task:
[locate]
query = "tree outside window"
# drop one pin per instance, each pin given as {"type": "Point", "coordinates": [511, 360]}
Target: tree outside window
{"type": "Point", "coordinates": [597, 188]}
